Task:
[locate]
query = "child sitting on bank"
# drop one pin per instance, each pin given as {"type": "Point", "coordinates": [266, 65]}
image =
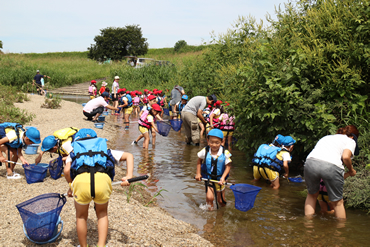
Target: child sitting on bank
{"type": "Point", "coordinates": [214, 155]}
{"type": "Point", "coordinates": [146, 123]}
{"type": "Point", "coordinates": [272, 160]}
{"type": "Point", "coordinates": [93, 89]}
{"type": "Point", "coordinates": [80, 168]}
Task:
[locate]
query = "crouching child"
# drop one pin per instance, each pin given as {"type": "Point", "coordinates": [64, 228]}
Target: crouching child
{"type": "Point", "coordinates": [89, 171]}
{"type": "Point", "coordinates": [214, 163]}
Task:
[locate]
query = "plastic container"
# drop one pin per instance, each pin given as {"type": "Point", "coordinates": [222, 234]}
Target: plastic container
{"type": "Point", "coordinates": [176, 124]}
{"type": "Point", "coordinates": [296, 180]}
{"type": "Point", "coordinates": [101, 118]}
{"type": "Point", "coordinates": [31, 149]}
{"type": "Point", "coordinates": [166, 111]}
{"type": "Point", "coordinates": [83, 104]}
{"type": "Point", "coordinates": [56, 233]}
{"type": "Point", "coordinates": [27, 127]}
{"type": "Point", "coordinates": [99, 125]}
{"type": "Point", "coordinates": [40, 216]}
{"type": "Point", "coordinates": [56, 167]}
{"type": "Point", "coordinates": [163, 128]}
{"type": "Point", "coordinates": [105, 113]}
{"type": "Point", "coordinates": [245, 195]}
{"type": "Point", "coordinates": [34, 174]}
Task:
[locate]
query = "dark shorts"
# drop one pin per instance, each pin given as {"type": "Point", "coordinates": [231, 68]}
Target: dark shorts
{"type": "Point", "coordinates": [114, 98]}
{"type": "Point", "coordinates": [90, 115]}
{"type": "Point", "coordinates": [315, 170]}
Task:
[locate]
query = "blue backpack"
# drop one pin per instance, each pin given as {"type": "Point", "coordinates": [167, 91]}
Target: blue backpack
{"type": "Point", "coordinates": [266, 157]}
{"type": "Point", "coordinates": [91, 154]}
{"type": "Point", "coordinates": [17, 143]}
{"type": "Point", "coordinates": [129, 100]}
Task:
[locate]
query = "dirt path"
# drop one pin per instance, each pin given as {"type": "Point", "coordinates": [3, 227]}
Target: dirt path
{"type": "Point", "coordinates": [76, 89]}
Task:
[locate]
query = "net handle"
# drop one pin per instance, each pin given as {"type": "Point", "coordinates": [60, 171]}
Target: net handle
{"type": "Point", "coordinates": [13, 162]}
{"type": "Point", "coordinates": [215, 181]}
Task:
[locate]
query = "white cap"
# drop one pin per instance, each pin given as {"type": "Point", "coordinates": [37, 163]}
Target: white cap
{"type": "Point", "coordinates": [37, 71]}
{"type": "Point", "coordinates": [116, 77]}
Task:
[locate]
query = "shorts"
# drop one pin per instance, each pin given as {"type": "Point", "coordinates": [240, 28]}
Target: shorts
{"type": "Point", "coordinates": [265, 172]}
{"type": "Point", "coordinates": [81, 188]}
{"type": "Point", "coordinates": [219, 188]}
{"type": "Point", "coordinates": [114, 98]}
{"type": "Point", "coordinates": [208, 127]}
{"type": "Point", "coordinates": [128, 110]}
{"type": "Point", "coordinates": [143, 130]}
{"type": "Point", "coordinates": [227, 133]}
{"type": "Point", "coordinates": [315, 170]}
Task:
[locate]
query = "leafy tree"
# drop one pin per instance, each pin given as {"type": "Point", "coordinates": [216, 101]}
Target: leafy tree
{"type": "Point", "coordinates": [179, 45]}
{"type": "Point", "coordinates": [115, 43]}
{"type": "Point", "coordinates": [1, 44]}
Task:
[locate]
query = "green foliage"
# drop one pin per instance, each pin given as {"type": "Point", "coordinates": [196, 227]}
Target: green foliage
{"type": "Point", "coordinates": [1, 44]}
{"type": "Point", "coordinates": [134, 188]}
{"type": "Point", "coordinates": [356, 190]}
{"type": "Point", "coordinates": [115, 43]}
{"type": "Point", "coordinates": [179, 45]}
{"type": "Point", "coordinates": [159, 193]}
{"type": "Point", "coordinates": [52, 103]}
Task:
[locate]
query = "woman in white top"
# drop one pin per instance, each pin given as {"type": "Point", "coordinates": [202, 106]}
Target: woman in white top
{"type": "Point", "coordinates": [325, 162]}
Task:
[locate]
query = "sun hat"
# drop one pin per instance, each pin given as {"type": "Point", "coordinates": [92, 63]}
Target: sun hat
{"type": "Point", "coordinates": [279, 139]}
{"type": "Point", "coordinates": [93, 81]}
{"type": "Point", "coordinates": [217, 133]}
{"type": "Point", "coordinates": [156, 107]}
{"type": "Point", "coordinates": [48, 143]}
{"type": "Point", "coordinates": [185, 97]}
{"type": "Point", "coordinates": [105, 95]}
{"type": "Point", "coordinates": [116, 77]}
{"type": "Point", "coordinates": [33, 134]}
{"type": "Point", "coordinates": [37, 71]}
{"type": "Point", "coordinates": [104, 83]}
{"type": "Point", "coordinates": [288, 141]}
{"type": "Point", "coordinates": [151, 97]}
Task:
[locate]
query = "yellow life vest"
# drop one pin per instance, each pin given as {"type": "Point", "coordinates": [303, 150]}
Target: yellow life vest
{"type": "Point", "coordinates": [63, 136]}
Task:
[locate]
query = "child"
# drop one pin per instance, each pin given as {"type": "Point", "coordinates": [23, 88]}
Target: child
{"type": "Point", "coordinates": [213, 116]}
{"type": "Point", "coordinates": [103, 87]}
{"type": "Point", "coordinates": [227, 126]}
{"type": "Point", "coordinates": [179, 106]}
{"type": "Point", "coordinates": [214, 163]}
{"type": "Point", "coordinates": [270, 161]}
{"type": "Point", "coordinates": [92, 89]}
{"type": "Point", "coordinates": [12, 139]}
{"type": "Point", "coordinates": [146, 122]}
{"type": "Point", "coordinates": [80, 168]}
{"type": "Point", "coordinates": [126, 105]}
{"type": "Point", "coordinates": [136, 102]}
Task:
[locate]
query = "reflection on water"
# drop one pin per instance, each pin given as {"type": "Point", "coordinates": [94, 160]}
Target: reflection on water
{"type": "Point", "coordinates": [276, 219]}
{"type": "Point", "coordinates": [75, 98]}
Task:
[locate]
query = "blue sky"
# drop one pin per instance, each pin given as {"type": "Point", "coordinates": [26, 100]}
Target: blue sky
{"type": "Point", "coordinates": [57, 26]}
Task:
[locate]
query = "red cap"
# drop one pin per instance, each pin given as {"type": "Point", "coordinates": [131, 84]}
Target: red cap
{"type": "Point", "coordinates": [150, 92]}
{"type": "Point", "coordinates": [146, 90]}
{"type": "Point", "coordinates": [155, 89]}
{"type": "Point", "coordinates": [120, 90]}
{"type": "Point", "coordinates": [93, 81]}
{"type": "Point", "coordinates": [160, 91]}
{"type": "Point", "coordinates": [140, 93]}
{"type": "Point", "coordinates": [123, 89]}
{"type": "Point", "coordinates": [156, 107]}
{"type": "Point", "coordinates": [133, 94]}
{"type": "Point", "coordinates": [127, 92]}
{"type": "Point", "coordinates": [151, 97]}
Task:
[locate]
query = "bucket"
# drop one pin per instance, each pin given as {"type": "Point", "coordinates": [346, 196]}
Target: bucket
{"type": "Point", "coordinates": [296, 180]}
{"type": "Point", "coordinates": [27, 127]}
{"type": "Point", "coordinates": [245, 195]}
{"type": "Point", "coordinates": [56, 167]}
{"type": "Point", "coordinates": [40, 216]}
{"type": "Point", "coordinates": [99, 125]}
{"type": "Point", "coordinates": [101, 118]}
{"type": "Point", "coordinates": [105, 113]}
{"type": "Point", "coordinates": [34, 174]}
{"type": "Point", "coordinates": [83, 104]}
{"type": "Point", "coordinates": [31, 149]}
{"type": "Point", "coordinates": [176, 124]}
{"type": "Point", "coordinates": [166, 111]}
{"type": "Point", "coordinates": [163, 128]}
{"type": "Point", "coordinates": [56, 233]}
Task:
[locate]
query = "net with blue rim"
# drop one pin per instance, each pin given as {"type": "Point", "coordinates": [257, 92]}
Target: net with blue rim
{"type": "Point", "coordinates": [56, 167]}
{"type": "Point", "coordinates": [166, 111]}
{"type": "Point", "coordinates": [40, 215]}
{"type": "Point", "coordinates": [163, 128]}
{"type": "Point", "coordinates": [34, 173]}
{"type": "Point", "coordinates": [245, 195]}
{"type": "Point", "coordinates": [176, 124]}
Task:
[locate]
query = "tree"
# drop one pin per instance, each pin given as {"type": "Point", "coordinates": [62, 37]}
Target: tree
{"type": "Point", "coordinates": [1, 44]}
{"type": "Point", "coordinates": [117, 42]}
{"type": "Point", "coordinates": [179, 45]}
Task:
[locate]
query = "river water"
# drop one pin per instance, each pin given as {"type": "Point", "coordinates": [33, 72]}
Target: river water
{"type": "Point", "coordinates": [276, 219]}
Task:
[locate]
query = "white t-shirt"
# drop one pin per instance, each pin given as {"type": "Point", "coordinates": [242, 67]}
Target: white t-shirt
{"type": "Point", "coordinates": [330, 149]}
{"type": "Point", "coordinates": [94, 103]}
{"type": "Point", "coordinates": [115, 153]}
{"type": "Point", "coordinates": [115, 85]}
{"type": "Point", "coordinates": [202, 154]}
{"type": "Point", "coordinates": [67, 147]}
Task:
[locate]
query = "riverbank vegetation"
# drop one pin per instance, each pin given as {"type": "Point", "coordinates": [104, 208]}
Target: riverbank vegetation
{"type": "Point", "coordinates": [304, 74]}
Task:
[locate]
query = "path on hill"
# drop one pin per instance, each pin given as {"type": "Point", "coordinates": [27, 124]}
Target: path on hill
{"type": "Point", "coordinates": [76, 89]}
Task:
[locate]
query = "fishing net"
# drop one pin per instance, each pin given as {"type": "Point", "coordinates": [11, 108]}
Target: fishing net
{"type": "Point", "coordinates": [40, 215]}
{"type": "Point", "coordinates": [163, 128]}
{"type": "Point", "coordinates": [166, 111]}
{"type": "Point", "coordinates": [34, 173]}
{"type": "Point", "coordinates": [245, 195]}
{"type": "Point", "coordinates": [176, 124]}
{"type": "Point", "coordinates": [56, 167]}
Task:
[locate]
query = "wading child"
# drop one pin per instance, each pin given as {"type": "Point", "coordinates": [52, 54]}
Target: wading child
{"type": "Point", "coordinates": [93, 89]}
{"type": "Point", "coordinates": [270, 161]}
{"type": "Point", "coordinates": [126, 105]}
{"type": "Point", "coordinates": [90, 178]}
{"type": "Point", "coordinates": [12, 139]}
{"type": "Point", "coordinates": [227, 125]}
{"type": "Point", "coordinates": [136, 102]}
{"type": "Point", "coordinates": [180, 105]}
{"type": "Point", "coordinates": [146, 123]}
{"type": "Point", "coordinates": [214, 163]}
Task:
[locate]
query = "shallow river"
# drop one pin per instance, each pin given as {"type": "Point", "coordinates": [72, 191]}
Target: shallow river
{"type": "Point", "coordinates": [277, 216]}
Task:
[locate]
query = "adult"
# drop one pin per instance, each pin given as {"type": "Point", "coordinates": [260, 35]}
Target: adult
{"type": "Point", "coordinates": [95, 107]}
{"type": "Point", "coordinates": [325, 162]}
{"type": "Point", "coordinates": [190, 114]}
{"type": "Point", "coordinates": [176, 94]}
{"type": "Point", "coordinates": [37, 79]}
{"type": "Point", "coordinates": [115, 87]}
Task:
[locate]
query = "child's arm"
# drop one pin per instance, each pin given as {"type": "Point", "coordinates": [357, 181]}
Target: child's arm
{"type": "Point", "coordinates": [153, 126]}
{"type": "Point", "coordinates": [67, 175]}
{"type": "Point", "coordinates": [129, 158]}
{"type": "Point", "coordinates": [39, 157]}
{"type": "Point", "coordinates": [159, 117]}
{"type": "Point", "coordinates": [2, 141]}
{"type": "Point", "coordinates": [198, 177]}
{"type": "Point", "coordinates": [286, 168]}
{"type": "Point", "coordinates": [224, 175]}
{"type": "Point", "coordinates": [20, 156]}
{"type": "Point", "coordinates": [211, 119]}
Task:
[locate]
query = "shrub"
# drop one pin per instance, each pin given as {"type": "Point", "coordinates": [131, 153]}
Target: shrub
{"type": "Point", "coordinates": [52, 103]}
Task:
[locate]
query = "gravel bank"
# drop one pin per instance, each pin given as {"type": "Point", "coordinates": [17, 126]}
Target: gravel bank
{"type": "Point", "coordinates": [130, 224]}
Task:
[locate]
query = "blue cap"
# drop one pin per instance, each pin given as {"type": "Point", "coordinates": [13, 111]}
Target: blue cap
{"type": "Point", "coordinates": [279, 139]}
{"type": "Point", "coordinates": [33, 134]}
{"type": "Point", "coordinates": [48, 143]}
{"type": "Point", "coordinates": [105, 94]}
{"type": "Point", "coordinates": [217, 133]}
{"type": "Point", "coordinates": [185, 97]}
{"type": "Point", "coordinates": [288, 141]}
{"type": "Point", "coordinates": [82, 133]}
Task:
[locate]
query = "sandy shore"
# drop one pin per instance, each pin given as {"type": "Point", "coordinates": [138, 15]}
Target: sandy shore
{"type": "Point", "coordinates": [130, 224]}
